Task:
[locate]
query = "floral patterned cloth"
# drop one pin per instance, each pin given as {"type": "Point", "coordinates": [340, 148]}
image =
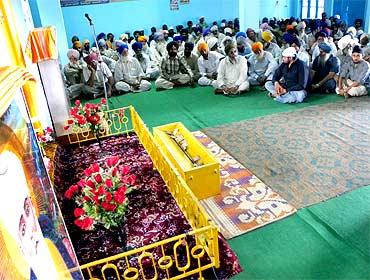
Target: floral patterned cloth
{"type": "Point", "coordinates": [153, 214]}
{"type": "Point", "coordinates": [245, 203]}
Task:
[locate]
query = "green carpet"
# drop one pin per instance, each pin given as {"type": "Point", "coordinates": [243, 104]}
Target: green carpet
{"type": "Point", "coordinates": [199, 107]}
{"type": "Point", "coordinates": [330, 240]}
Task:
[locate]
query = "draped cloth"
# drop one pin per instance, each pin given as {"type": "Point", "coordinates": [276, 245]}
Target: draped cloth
{"type": "Point", "coordinates": [41, 44]}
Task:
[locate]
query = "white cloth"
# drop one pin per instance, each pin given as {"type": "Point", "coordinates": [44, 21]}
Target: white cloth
{"type": "Point", "coordinates": [275, 50]}
{"type": "Point", "coordinates": [303, 55]}
{"type": "Point", "coordinates": [128, 69]}
{"type": "Point", "coordinates": [355, 91]}
{"type": "Point", "coordinates": [210, 65]}
{"type": "Point", "coordinates": [232, 73]}
{"type": "Point", "coordinates": [102, 73]}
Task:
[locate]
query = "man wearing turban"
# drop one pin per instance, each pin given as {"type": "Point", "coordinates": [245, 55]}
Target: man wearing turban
{"type": "Point", "coordinates": [174, 70]}
{"type": "Point", "coordinates": [344, 53]}
{"type": "Point", "coordinates": [158, 48]}
{"type": "Point", "coordinates": [151, 71]}
{"type": "Point", "coordinates": [262, 65]}
{"type": "Point", "coordinates": [128, 73]}
{"type": "Point", "coordinates": [232, 77]}
{"type": "Point", "coordinates": [96, 74]}
{"type": "Point", "coordinates": [324, 69]}
{"type": "Point", "coordinates": [322, 37]}
{"type": "Point", "coordinates": [354, 75]}
{"type": "Point", "coordinates": [270, 46]}
{"type": "Point", "coordinates": [290, 80]}
{"type": "Point", "coordinates": [73, 74]}
{"type": "Point", "coordinates": [208, 62]}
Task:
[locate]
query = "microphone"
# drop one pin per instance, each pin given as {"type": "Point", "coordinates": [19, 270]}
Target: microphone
{"type": "Point", "coordinates": [88, 18]}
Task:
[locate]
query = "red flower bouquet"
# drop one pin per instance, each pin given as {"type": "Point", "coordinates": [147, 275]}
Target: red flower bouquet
{"type": "Point", "coordinates": [101, 195]}
{"type": "Point", "coordinates": [88, 116]}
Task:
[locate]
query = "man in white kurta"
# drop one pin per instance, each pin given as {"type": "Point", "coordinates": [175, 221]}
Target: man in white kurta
{"type": "Point", "coordinates": [232, 77]}
{"type": "Point", "coordinates": [208, 62]}
{"type": "Point", "coordinates": [128, 73]}
{"type": "Point", "coordinates": [151, 71]}
{"type": "Point", "coordinates": [262, 65]}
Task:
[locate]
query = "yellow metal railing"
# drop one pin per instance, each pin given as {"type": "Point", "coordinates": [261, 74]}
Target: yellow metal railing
{"type": "Point", "coordinates": [200, 246]}
{"type": "Point", "coordinates": [115, 122]}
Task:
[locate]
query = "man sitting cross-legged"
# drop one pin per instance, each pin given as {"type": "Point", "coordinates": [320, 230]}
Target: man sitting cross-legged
{"type": "Point", "coordinates": [353, 75]}
{"type": "Point", "coordinates": [174, 70]}
{"type": "Point", "coordinates": [151, 71]}
{"type": "Point", "coordinates": [96, 75]}
{"type": "Point", "coordinates": [128, 73]}
{"type": "Point", "coordinates": [324, 68]}
{"type": "Point", "coordinates": [208, 62]}
{"type": "Point", "coordinates": [262, 65]}
{"type": "Point", "coordinates": [232, 77]}
{"type": "Point", "coordinates": [290, 79]}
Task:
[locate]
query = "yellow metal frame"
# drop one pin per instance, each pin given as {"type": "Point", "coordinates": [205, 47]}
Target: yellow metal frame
{"type": "Point", "coordinates": [204, 232]}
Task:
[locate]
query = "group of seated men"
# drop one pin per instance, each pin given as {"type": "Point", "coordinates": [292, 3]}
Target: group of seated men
{"type": "Point", "coordinates": [287, 58]}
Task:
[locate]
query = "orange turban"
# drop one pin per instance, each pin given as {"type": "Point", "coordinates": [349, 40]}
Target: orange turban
{"type": "Point", "coordinates": [203, 47]}
{"type": "Point", "coordinates": [257, 47]}
{"type": "Point", "coordinates": [141, 39]}
{"type": "Point", "coordinates": [290, 27]}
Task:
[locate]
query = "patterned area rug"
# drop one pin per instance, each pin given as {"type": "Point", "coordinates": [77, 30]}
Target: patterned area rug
{"type": "Point", "coordinates": [245, 203]}
{"type": "Point", "coordinates": [307, 156]}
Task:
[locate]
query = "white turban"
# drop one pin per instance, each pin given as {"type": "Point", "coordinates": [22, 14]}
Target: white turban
{"type": "Point", "coordinates": [352, 30]}
{"type": "Point", "coordinates": [211, 42]}
{"type": "Point", "coordinates": [228, 30]}
{"type": "Point", "coordinates": [289, 52]}
{"type": "Point", "coordinates": [345, 41]}
{"type": "Point", "coordinates": [214, 28]}
{"type": "Point", "coordinates": [73, 53]}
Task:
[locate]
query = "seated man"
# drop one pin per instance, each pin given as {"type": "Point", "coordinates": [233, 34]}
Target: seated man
{"type": "Point", "coordinates": [262, 66]}
{"type": "Point", "coordinates": [192, 60]}
{"type": "Point", "coordinates": [174, 70]}
{"type": "Point", "coordinates": [270, 46]}
{"type": "Point", "coordinates": [353, 75]}
{"type": "Point", "coordinates": [208, 62]}
{"type": "Point", "coordinates": [96, 74]}
{"type": "Point", "coordinates": [73, 73]}
{"type": "Point", "coordinates": [290, 79]}
{"type": "Point", "coordinates": [232, 77]}
{"type": "Point", "coordinates": [158, 49]}
{"type": "Point", "coordinates": [324, 69]}
{"type": "Point", "coordinates": [128, 73]}
{"type": "Point", "coordinates": [151, 71]}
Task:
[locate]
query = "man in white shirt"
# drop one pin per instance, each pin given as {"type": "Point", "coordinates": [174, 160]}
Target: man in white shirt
{"type": "Point", "coordinates": [232, 77]}
{"type": "Point", "coordinates": [151, 71]}
{"type": "Point", "coordinates": [95, 75]}
{"type": "Point", "coordinates": [208, 62]}
{"type": "Point", "coordinates": [128, 73]}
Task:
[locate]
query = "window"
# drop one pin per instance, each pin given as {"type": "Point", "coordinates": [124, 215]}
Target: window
{"type": "Point", "coordinates": [312, 8]}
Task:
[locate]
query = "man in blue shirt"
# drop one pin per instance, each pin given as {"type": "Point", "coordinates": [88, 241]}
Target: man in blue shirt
{"type": "Point", "coordinates": [324, 68]}
{"type": "Point", "coordinates": [290, 80]}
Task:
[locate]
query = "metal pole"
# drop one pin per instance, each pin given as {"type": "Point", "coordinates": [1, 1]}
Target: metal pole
{"type": "Point", "coordinates": [100, 60]}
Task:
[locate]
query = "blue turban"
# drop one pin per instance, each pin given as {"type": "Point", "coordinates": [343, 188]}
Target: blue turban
{"type": "Point", "coordinates": [100, 36]}
{"type": "Point", "coordinates": [240, 34]}
{"type": "Point", "coordinates": [121, 48]}
{"type": "Point", "coordinates": [178, 38]}
{"type": "Point", "coordinates": [289, 38]}
{"type": "Point", "coordinates": [206, 32]}
{"type": "Point", "coordinates": [325, 47]}
{"type": "Point", "coordinates": [137, 46]}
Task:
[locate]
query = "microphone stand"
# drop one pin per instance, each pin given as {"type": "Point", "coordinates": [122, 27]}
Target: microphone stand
{"type": "Point", "coordinates": [100, 58]}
